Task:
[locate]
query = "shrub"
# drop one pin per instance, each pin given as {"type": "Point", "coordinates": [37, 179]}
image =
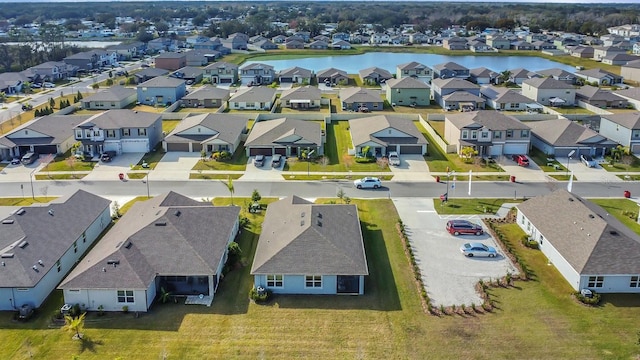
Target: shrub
{"type": "Point", "coordinates": [244, 222]}
{"type": "Point", "coordinates": [100, 310]}
{"type": "Point", "coordinates": [75, 310]}
{"type": "Point", "coordinates": [125, 309]}
{"type": "Point", "coordinates": [259, 297]}
{"type": "Point", "coordinates": [365, 160]}
{"type": "Point", "coordinates": [594, 300]}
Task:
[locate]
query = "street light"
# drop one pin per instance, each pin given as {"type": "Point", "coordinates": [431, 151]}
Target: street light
{"type": "Point", "coordinates": [33, 195]}
{"type": "Point", "coordinates": [446, 194]}
{"type": "Point", "coordinates": [147, 182]}
{"type": "Point", "coordinates": [308, 163]}
{"type": "Point", "coordinates": [569, 158]}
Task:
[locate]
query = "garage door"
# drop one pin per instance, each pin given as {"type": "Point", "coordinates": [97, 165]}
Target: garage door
{"type": "Point", "coordinates": [495, 150]}
{"type": "Point", "coordinates": [260, 151]}
{"type": "Point", "coordinates": [286, 80]}
{"type": "Point", "coordinates": [515, 149]}
{"type": "Point", "coordinates": [635, 148]}
{"type": "Point", "coordinates": [45, 149]}
{"type": "Point", "coordinates": [225, 81]}
{"type": "Point", "coordinates": [177, 146]}
{"type": "Point", "coordinates": [281, 151]}
{"type": "Point", "coordinates": [133, 146]}
{"type": "Point", "coordinates": [411, 149]}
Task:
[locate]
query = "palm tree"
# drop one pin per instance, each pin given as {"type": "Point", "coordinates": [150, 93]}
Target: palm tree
{"type": "Point", "coordinates": [504, 76]}
{"type": "Point", "coordinates": [229, 185]}
{"type": "Point", "coordinates": [74, 324]}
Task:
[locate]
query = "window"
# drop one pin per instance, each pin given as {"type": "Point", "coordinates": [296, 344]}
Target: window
{"type": "Point", "coordinates": [524, 133]}
{"type": "Point", "coordinates": [84, 237]}
{"type": "Point", "coordinates": [497, 134]}
{"type": "Point", "coordinates": [78, 134]}
{"type": "Point", "coordinates": [541, 239]}
{"type": "Point", "coordinates": [484, 134]}
{"type": "Point", "coordinates": [126, 132]}
{"type": "Point", "coordinates": [58, 265]}
{"type": "Point", "coordinates": [509, 133]}
{"type": "Point", "coordinates": [142, 132]}
{"type": "Point", "coordinates": [275, 281]}
{"type": "Point", "coordinates": [75, 246]}
{"type": "Point", "coordinates": [313, 281]}
{"type": "Point", "coordinates": [474, 134]}
{"type": "Point", "coordinates": [595, 281]}
{"type": "Point", "coordinates": [125, 296]}
{"type": "Point", "coordinates": [465, 134]}
{"type": "Point", "coordinates": [111, 133]}
{"type": "Point", "coordinates": [96, 132]}
{"type": "Point", "coordinates": [635, 282]}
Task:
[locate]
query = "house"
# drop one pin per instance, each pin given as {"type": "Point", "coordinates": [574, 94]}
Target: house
{"type": "Point", "coordinates": [385, 133]}
{"type": "Point", "coordinates": [295, 75]}
{"type": "Point", "coordinates": [408, 91]}
{"type": "Point", "coordinates": [632, 96]}
{"type": "Point", "coordinates": [266, 44]}
{"type": "Point", "coordinates": [221, 73]}
{"type": "Point", "coordinates": [559, 137]}
{"type": "Point", "coordinates": [521, 45]}
{"type": "Point", "coordinates": [294, 44]}
{"type": "Point", "coordinates": [341, 45]}
{"type": "Point", "coordinates": [279, 39]}
{"type": "Point", "coordinates": [479, 46]}
{"type": "Point", "coordinates": [418, 38]}
{"type": "Point", "coordinates": [51, 134]}
{"type": "Point", "coordinates": [161, 91]}
{"type": "Point", "coordinates": [563, 43]}
{"type": "Point", "coordinates": [235, 43]}
{"type": "Point", "coordinates": [454, 93]}
{"type": "Point", "coordinates": [256, 38]}
{"type": "Point", "coordinates": [208, 45]}
{"type": "Point", "coordinates": [600, 52]}
{"type": "Point", "coordinates": [374, 75]}
{"type": "Point", "coordinates": [543, 45]}
{"type": "Point", "coordinates": [122, 131]}
{"type": "Point", "coordinates": [206, 96]}
{"type": "Point", "coordinates": [340, 36]}
{"type": "Point", "coordinates": [379, 38]}
{"type": "Point", "coordinates": [333, 76]}
{"type": "Point", "coordinates": [319, 45]}
{"type": "Point", "coordinates": [623, 128]}
{"type": "Point", "coordinates": [127, 51]}
{"type": "Point", "coordinates": [257, 74]}
{"type": "Point", "coordinates": [549, 91]}
{"type": "Point", "coordinates": [619, 59]}
{"type": "Point", "coordinates": [190, 74]}
{"type": "Point", "coordinates": [499, 42]}
{"type": "Point", "coordinates": [582, 52]}
{"type": "Point", "coordinates": [115, 97]}
{"type": "Point", "coordinates": [40, 244]}
{"type": "Point", "coordinates": [11, 82]}
{"type": "Point", "coordinates": [631, 71]}
{"type": "Point", "coordinates": [590, 248]}
{"type": "Point", "coordinates": [519, 75]}
{"type": "Point", "coordinates": [305, 97]}
{"type": "Point", "coordinates": [94, 59]}
{"type": "Point", "coordinates": [52, 71]}
{"type": "Point", "coordinates": [208, 132]}
{"type": "Point", "coordinates": [148, 74]}
{"type": "Point", "coordinates": [560, 75]}
{"type": "Point", "coordinates": [171, 61]}
{"type": "Point", "coordinates": [196, 39]}
{"type": "Point", "coordinates": [489, 132]}
{"type": "Point", "coordinates": [501, 98]}
{"type": "Point", "coordinates": [449, 70]}
{"type": "Point", "coordinates": [455, 43]}
{"type": "Point", "coordinates": [360, 99]}
{"type": "Point", "coordinates": [324, 254]}
{"type": "Point", "coordinates": [415, 70]}
{"type": "Point", "coordinates": [599, 77]}
{"type": "Point", "coordinates": [284, 136]}
{"type": "Point", "coordinates": [169, 242]}
{"type": "Point", "coordinates": [201, 57]}
{"type": "Point", "coordinates": [601, 98]}
{"type": "Point", "coordinates": [482, 76]}
{"type": "Point", "coordinates": [253, 98]}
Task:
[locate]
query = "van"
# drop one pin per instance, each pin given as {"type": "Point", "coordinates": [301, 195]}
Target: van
{"type": "Point", "coordinates": [29, 158]}
{"type": "Point", "coordinates": [276, 161]}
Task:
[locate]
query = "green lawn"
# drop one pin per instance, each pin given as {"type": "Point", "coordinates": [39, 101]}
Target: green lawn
{"type": "Point", "coordinates": [55, 176]}
{"type": "Point", "coordinates": [238, 162]}
{"type": "Point", "coordinates": [629, 163]}
{"type": "Point", "coordinates": [66, 162]}
{"type": "Point", "coordinates": [26, 201]}
{"type": "Point", "coordinates": [151, 158]}
{"type": "Point", "coordinates": [573, 110]}
{"type": "Point", "coordinates": [330, 177]}
{"type": "Point", "coordinates": [465, 178]}
{"type": "Point", "coordinates": [563, 177]}
{"type": "Point", "coordinates": [540, 159]}
{"type": "Point", "coordinates": [459, 206]}
{"type": "Point", "coordinates": [624, 210]}
{"type": "Point", "coordinates": [169, 125]}
{"type": "Point", "coordinates": [214, 176]}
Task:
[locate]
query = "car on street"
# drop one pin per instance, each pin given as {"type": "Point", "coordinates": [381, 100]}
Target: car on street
{"type": "Point", "coordinates": [478, 249]}
{"type": "Point", "coordinates": [394, 159]}
{"type": "Point", "coordinates": [49, 85]}
{"type": "Point", "coordinates": [520, 159]}
{"type": "Point", "coordinates": [276, 160]}
{"type": "Point", "coordinates": [458, 227]}
{"type": "Point", "coordinates": [368, 183]}
{"type": "Point", "coordinates": [258, 161]}
{"type": "Point", "coordinates": [588, 161]}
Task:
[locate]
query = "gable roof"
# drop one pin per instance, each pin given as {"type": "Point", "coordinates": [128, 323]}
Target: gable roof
{"type": "Point", "coordinates": [150, 73]}
{"type": "Point", "coordinates": [633, 93]}
{"type": "Point", "coordinates": [503, 95]}
{"type": "Point", "coordinates": [375, 70]}
{"type": "Point", "coordinates": [221, 65]}
{"type": "Point", "coordinates": [301, 93]}
{"type": "Point", "coordinates": [254, 94]}
{"type": "Point", "coordinates": [413, 65]}
{"type": "Point", "coordinates": [361, 129]}
{"type": "Point", "coordinates": [629, 120]}
{"type": "Point", "coordinates": [586, 236]}
{"type": "Point", "coordinates": [596, 73]}
{"type": "Point", "coordinates": [121, 118]}
{"type": "Point", "coordinates": [257, 66]}
{"type": "Point", "coordinates": [450, 66]}
{"type": "Point", "coordinates": [358, 94]}
{"type": "Point", "coordinates": [564, 132]}
{"type": "Point", "coordinates": [227, 127]}
{"type": "Point", "coordinates": [593, 93]}
{"type": "Point", "coordinates": [162, 82]}
{"type": "Point", "coordinates": [556, 73]}
{"type": "Point", "coordinates": [407, 83]}
{"type": "Point", "coordinates": [482, 72]}
{"type": "Point", "coordinates": [208, 92]}
{"type": "Point", "coordinates": [491, 119]}
{"type": "Point", "coordinates": [547, 83]}
{"type": "Point", "coordinates": [277, 131]}
{"type": "Point", "coordinates": [299, 237]}
{"type": "Point", "coordinates": [166, 235]}
{"type": "Point", "coordinates": [331, 72]}
{"type": "Point", "coordinates": [454, 83]}
{"type": "Point", "coordinates": [114, 93]}
{"type": "Point", "coordinates": [49, 230]}
{"type": "Point", "coordinates": [292, 71]}
{"type": "Point", "coordinates": [190, 72]}
{"type": "Point", "coordinates": [56, 128]}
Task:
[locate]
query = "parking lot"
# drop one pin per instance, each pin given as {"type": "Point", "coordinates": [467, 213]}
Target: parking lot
{"type": "Point", "coordinates": [449, 277]}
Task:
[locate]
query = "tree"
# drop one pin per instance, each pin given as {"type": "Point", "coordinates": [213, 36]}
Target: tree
{"type": "Point", "coordinates": [340, 194]}
{"type": "Point", "coordinates": [109, 82]}
{"type": "Point", "coordinates": [504, 76]}
{"type": "Point", "coordinates": [3, 97]}
{"type": "Point", "coordinates": [74, 325]}
{"type": "Point", "coordinates": [229, 185]}
{"type": "Point", "coordinates": [255, 196]}
{"type": "Point", "coordinates": [468, 152]}
{"type": "Point", "coordinates": [52, 103]}
{"type": "Point", "coordinates": [78, 96]}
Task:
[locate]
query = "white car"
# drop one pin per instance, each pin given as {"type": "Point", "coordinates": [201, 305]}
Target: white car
{"type": "Point", "coordinates": [588, 161]}
{"type": "Point", "coordinates": [394, 159]}
{"type": "Point", "coordinates": [478, 249]}
{"type": "Point", "coordinates": [367, 183]}
{"type": "Point", "coordinates": [48, 85]}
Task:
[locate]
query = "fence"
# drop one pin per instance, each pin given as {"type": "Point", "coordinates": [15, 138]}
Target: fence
{"type": "Point", "coordinates": [449, 149]}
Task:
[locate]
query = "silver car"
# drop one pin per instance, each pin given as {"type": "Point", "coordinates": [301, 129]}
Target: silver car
{"type": "Point", "coordinates": [478, 249]}
{"type": "Point", "coordinates": [368, 183]}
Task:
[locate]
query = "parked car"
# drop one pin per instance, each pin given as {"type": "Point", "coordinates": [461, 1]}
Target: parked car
{"type": "Point", "coordinates": [394, 159]}
{"type": "Point", "coordinates": [29, 158]}
{"type": "Point", "coordinates": [457, 227]}
{"type": "Point", "coordinates": [49, 85]}
{"type": "Point", "coordinates": [36, 86]}
{"type": "Point", "coordinates": [368, 183]}
{"type": "Point", "coordinates": [478, 249]}
{"type": "Point", "coordinates": [15, 161]}
{"type": "Point", "coordinates": [276, 161]}
{"type": "Point", "coordinates": [588, 161]}
{"type": "Point", "coordinates": [107, 156]}
{"type": "Point", "coordinates": [521, 160]}
{"type": "Point", "coordinates": [25, 312]}
{"type": "Point", "coordinates": [258, 161]}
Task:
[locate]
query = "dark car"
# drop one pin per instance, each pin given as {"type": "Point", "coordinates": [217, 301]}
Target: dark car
{"type": "Point", "coordinates": [258, 161]}
{"type": "Point", "coordinates": [107, 156]}
{"type": "Point", "coordinates": [457, 227]}
{"type": "Point", "coordinates": [276, 161]}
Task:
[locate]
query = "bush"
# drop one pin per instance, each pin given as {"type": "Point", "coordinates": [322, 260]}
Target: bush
{"type": "Point", "coordinates": [259, 297]}
{"type": "Point", "coordinates": [594, 300]}
{"type": "Point", "coordinates": [365, 160]}
{"type": "Point", "coordinates": [125, 309]}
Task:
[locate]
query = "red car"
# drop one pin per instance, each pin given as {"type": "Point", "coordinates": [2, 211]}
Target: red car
{"type": "Point", "coordinates": [520, 159]}
{"type": "Point", "coordinates": [457, 227]}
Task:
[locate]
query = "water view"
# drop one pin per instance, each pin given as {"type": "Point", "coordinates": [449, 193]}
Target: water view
{"type": "Point", "coordinates": [353, 63]}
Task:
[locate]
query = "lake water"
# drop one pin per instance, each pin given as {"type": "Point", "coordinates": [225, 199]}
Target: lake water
{"type": "Point", "coordinates": [388, 61]}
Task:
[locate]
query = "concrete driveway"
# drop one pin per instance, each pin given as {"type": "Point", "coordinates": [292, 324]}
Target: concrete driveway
{"type": "Point", "coordinates": [583, 173]}
{"type": "Point", "coordinates": [529, 173]}
{"type": "Point", "coordinates": [175, 165]}
{"type": "Point", "coordinates": [110, 170]}
{"type": "Point", "coordinates": [266, 173]}
{"type": "Point", "coordinates": [449, 277]}
{"type": "Point", "coordinates": [412, 167]}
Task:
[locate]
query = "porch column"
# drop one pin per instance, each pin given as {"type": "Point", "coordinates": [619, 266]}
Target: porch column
{"type": "Point", "coordinates": [211, 288]}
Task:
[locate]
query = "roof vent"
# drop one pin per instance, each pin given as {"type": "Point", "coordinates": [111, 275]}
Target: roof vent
{"type": "Point", "coordinates": [302, 214]}
{"type": "Point", "coordinates": [161, 223]}
{"type": "Point", "coordinates": [3, 263]}
{"type": "Point", "coordinates": [319, 215]}
{"type": "Point", "coordinates": [570, 199]}
{"type": "Point", "coordinates": [177, 213]}
{"type": "Point", "coordinates": [301, 222]}
{"type": "Point", "coordinates": [104, 269]}
{"type": "Point", "coordinates": [20, 212]}
{"type": "Point", "coordinates": [319, 223]}
{"type": "Point", "coordinates": [7, 221]}
{"type": "Point", "coordinates": [23, 244]}
{"type": "Point", "coordinates": [128, 245]}
{"type": "Point", "coordinates": [51, 212]}
{"type": "Point", "coordinates": [7, 256]}
{"type": "Point", "coordinates": [591, 216]}
{"type": "Point", "coordinates": [40, 263]}
{"type": "Point", "coordinates": [613, 232]}
{"type": "Point", "coordinates": [35, 268]}
{"type": "Point", "coordinates": [113, 262]}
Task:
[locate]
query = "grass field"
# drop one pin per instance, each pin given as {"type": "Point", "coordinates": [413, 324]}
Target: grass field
{"type": "Point", "coordinates": [66, 162]}
{"type": "Point", "coordinates": [26, 201]}
{"type": "Point", "coordinates": [238, 162]}
{"type": "Point", "coordinates": [470, 206]}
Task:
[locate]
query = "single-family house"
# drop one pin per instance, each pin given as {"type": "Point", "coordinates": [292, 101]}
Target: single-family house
{"type": "Point", "coordinates": [559, 137]}
{"type": "Point", "coordinates": [482, 76]}
{"type": "Point", "coordinates": [543, 45]}
{"type": "Point", "coordinates": [455, 43]}
{"type": "Point", "coordinates": [190, 74]}
{"type": "Point", "coordinates": [333, 76]}
{"type": "Point", "coordinates": [295, 75]}
{"type": "Point", "coordinates": [170, 242]}
{"type": "Point", "coordinates": [279, 39]}
{"type": "Point", "coordinates": [53, 70]}
{"type": "Point", "coordinates": [385, 133]}
{"type": "Point", "coordinates": [623, 128]}
{"type": "Point", "coordinates": [408, 91]}
{"type": "Point", "coordinates": [490, 132]}
{"type": "Point", "coordinates": [40, 244]}
{"type": "Point", "coordinates": [521, 45]}
{"type": "Point", "coordinates": [221, 73]}
{"type": "Point", "coordinates": [599, 77]}
{"type": "Point", "coordinates": [201, 57]}
{"type": "Point", "coordinates": [121, 130]}
{"type": "Point", "coordinates": [601, 98]}
{"type": "Point", "coordinates": [560, 75]}
{"type": "Point", "coordinates": [374, 75]}
{"type": "Point", "coordinates": [206, 96]}
{"type": "Point", "coordinates": [360, 99]}
{"type": "Point", "coordinates": [319, 45]}
{"type": "Point", "coordinates": [305, 97]}
{"type": "Point", "coordinates": [208, 132]}
{"type": "Point", "coordinates": [171, 61]}
{"type": "Point", "coordinates": [253, 98]}
{"type": "Point", "coordinates": [235, 43]}
{"type": "Point", "coordinates": [499, 42]}
{"type": "Point", "coordinates": [266, 44]}
{"type": "Point", "coordinates": [479, 46]}
{"type": "Point", "coordinates": [582, 52]}
{"type": "Point", "coordinates": [502, 98]}
{"type": "Point", "coordinates": [115, 97]}
{"type": "Point", "coordinates": [418, 38]}
{"type": "Point", "coordinates": [161, 91]}
{"type": "Point", "coordinates": [51, 134]}
{"type": "Point", "coordinates": [632, 96]}
{"type": "Point", "coordinates": [341, 36]}
{"type": "Point", "coordinates": [294, 44]}
{"type": "Point", "coordinates": [450, 70]}
{"type": "Point", "coordinates": [285, 136]}
{"type": "Point", "coordinates": [127, 51]}
{"type": "Point", "coordinates": [619, 59]}
{"type": "Point", "coordinates": [257, 74]}
{"type": "Point", "coordinates": [549, 91]}
{"type": "Point", "coordinates": [340, 45]}
{"type": "Point", "coordinates": [379, 38]}
{"type": "Point", "coordinates": [517, 76]}
{"type": "Point", "coordinates": [307, 248]}
{"type": "Point", "coordinates": [256, 38]}
{"type": "Point", "coordinates": [590, 248]}
{"type": "Point", "coordinates": [148, 74]}
{"type": "Point", "coordinates": [11, 82]}
{"type": "Point", "coordinates": [415, 70]}
{"type": "Point", "coordinates": [600, 52]}
{"type": "Point", "coordinates": [456, 94]}
{"type": "Point", "coordinates": [631, 71]}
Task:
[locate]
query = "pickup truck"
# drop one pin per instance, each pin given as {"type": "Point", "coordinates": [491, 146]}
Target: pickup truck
{"type": "Point", "coordinates": [394, 159]}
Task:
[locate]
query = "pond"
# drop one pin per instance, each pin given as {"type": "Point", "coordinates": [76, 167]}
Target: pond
{"type": "Point", "coordinates": [386, 60]}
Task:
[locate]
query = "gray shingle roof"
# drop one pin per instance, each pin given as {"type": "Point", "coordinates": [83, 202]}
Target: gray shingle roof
{"type": "Point", "coordinates": [412, 66]}
{"type": "Point", "coordinates": [595, 73]}
{"type": "Point", "coordinates": [633, 93]}
{"type": "Point", "coordinates": [330, 72]}
{"type": "Point", "coordinates": [192, 241]}
{"type": "Point", "coordinates": [114, 93]}
{"type": "Point", "coordinates": [593, 93]}
{"type": "Point", "coordinates": [547, 83]}
{"type": "Point", "coordinates": [221, 65]}
{"type": "Point", "coordinates": [358, 94]}
{"type": "Point", "coordinates": [208, 92]}
{"type": "Point", "coordinates": [491, 119]}
{"type": "Point", "coordinates": [384, 74]}
{"type": "Point", "coordinates": [56, 128]}
{"type": "Point", "coordinates": [361, 130]}
{"type": "Point", "coordinates": [462, 96]}
{"type": "Point", "coordinates": [292, 71]}
{"type": "Point", "coordinates": [301, 93]}
{"type": "Point", "coordinates": [227, 127]}
{"type": "Point", "coordinates": [564, 132]}
{"type": "Point", "coordinates": [628, 120]}
{"type": "Point", "coordinates": [449, 65]}
{"type": "Point", "coordinates": [254, 94]}
{"type": "Point", "coordinates": [557, 73]}
{"type": "Point", "coordinates": [299, 237]}
{"type": "Point", "coordinates": [48, 236]}
{"type": "Point", "coordinates": [454, 83]}
{"type": "Point", "coordinates": [586, 236]}
{"type": "Point", "coordinates": [151, 73]}
{"type": "Point", "coordinates": [406, 83]}
{"type": "Point", "coordinates": [503, 95]}
{"type": "Point", "coordinates": [162, 82]}
{"type": "Point", "coordinates": [258, 66]}
{"type": "Point", "coordinates": [285, 131]}
{"type": "Point", "coordinates": [122, 118]}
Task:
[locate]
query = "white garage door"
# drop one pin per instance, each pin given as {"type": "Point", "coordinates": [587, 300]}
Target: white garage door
{"type": "Point", "coordinates": [515, 149]}
{"type": "Point", "coordinates": [135, 145]}
{"type": "Point", "coordinates": [496, 150]}
{"type": "Point", "coordinates": [112, 146]}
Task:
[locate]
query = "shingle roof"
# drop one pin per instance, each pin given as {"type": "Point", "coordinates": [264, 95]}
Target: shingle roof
{"type": "Point", "coordinates": [375, 70]}
{"type": "Point", "coordinates": [564, 132]}
{"type": "Point", "coordinates": [114, 93]}
{"type": "Point", "coordinates": [299, 237]}
{"type": "Point", "coordinates": [156, 237]}
{"type": "Point", "coordinates": [449, 65]}
{"type": "Point", "coordinates": [162, 82]}
{"type": "Point", "coordinates": [285, 131]}
{"type": "Point", "coordinates": [586, 236]}
{"type": "Point", "coordinates": [121, 118]}
{"type": "Point", "coordinates": [257, 66]}
{"type": "Point", "coordinates": [361, 129]}
{"type": "Point", "coordinates": [633, 93]}
{"type": "Point", "coordinates": [49, 230]}
{"type": "Point", "coordinates": [190, 71]}
{"type": "Point", "coordinates": [301, 93]}
{"type": "Point", "coordinates": [406, 83]}
{"type": "Point", "coordinates": [555, 72]}
{"type": "Point", "coordinates": [222, 65]}
{"type": "Point", "coordinates": [412, 66]}
{"type": "Point", "coordinates": [151, 72]}
{"type": "Point", "coordinates": [331, 72]}
{"type": "Point", "coordinates": [56, 128]}
{"type": "Point", "coordinates": [292, 71]}
{"type": "Point", "coordinates": [491, 119]}
{"type": "Point", "coordinates": [254, 94]}
{"type": "Point", "coordinates": [208, 92]}
{"type": "Point", "coordinates": [482, 72]}
{"type": "Point", "coordinates": [462, 96]}
{"type": "Point", "coordinates": [454, 83]}
{"type": "Point", "coordinates": [547, 83]}
{"type": "Point", "coordinates": [503, 95]}
{"type": "Point", "coordinates": [593, 93]}
{"type": "Point", "coordinates": [358, 94]}
{"type": "Point", "coordinates": [628, 120]}
{"type": "Point", "coordinates": [227, 127]}
{"type": "Point", "coordinates": [171, 55]}
{"type": "Point", "coordinates": [595, 73]}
